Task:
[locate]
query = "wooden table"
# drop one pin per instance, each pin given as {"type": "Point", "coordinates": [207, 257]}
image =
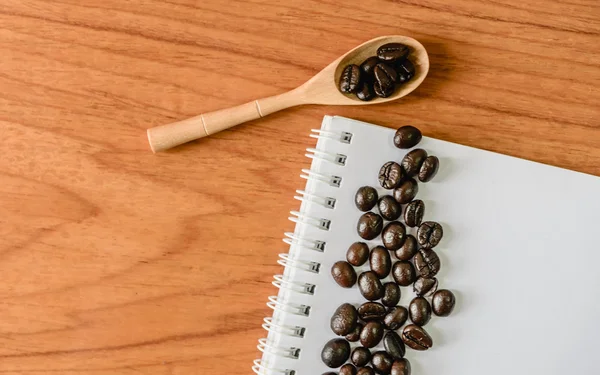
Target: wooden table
{"type": "Point", "coordinates": [118, 261]}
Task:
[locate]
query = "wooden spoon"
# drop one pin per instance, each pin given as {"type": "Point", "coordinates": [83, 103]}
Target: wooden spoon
{"type": "Point", "coordinates": [320, 89]}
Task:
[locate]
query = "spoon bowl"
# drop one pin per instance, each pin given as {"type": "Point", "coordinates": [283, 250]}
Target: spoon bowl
{"type": "Point", "coordinates": [323, 88]}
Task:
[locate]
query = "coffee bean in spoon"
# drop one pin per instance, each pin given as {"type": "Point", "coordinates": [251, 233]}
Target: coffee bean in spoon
{"type": "Point", "coordinates": [430, 234]}
{"type": "Point", "coordinates": [407, 136]}
{"type": "Point", "coordinates": [427, 262]}
{"type": "Point", "coordinates": [343, 273]}
{"type": "Point", "coordinates": [406, 71]}
{"type": "Point", "coordinates": [382, 362]}
{"type": "Point", "coordinates": [393, 235]}
{"type": "Point", "coordinates": [394, 345]}
{"type": "Point", "coordinates": [401, 367]}
{"type": "Point", "coordinates": [365, 198]}
{"type": "Point", "coordinates": [443, 302]}
{"type": "Point", "coordinates": [416, 337]}
{"type": "Point", "coordinates": [385, 74]}
{"type": "Point", "coordinates": [408, 250]}
{"type": "Point", "coordinates": [425, 286]}
{"type": "Point", "coordinates": [406, 191]}
{"type": "Point", "coordinates": [419, 311]}
{"type": "Point", "coordinates": [350, 79]}
{"type": "Point", "coordinates": [393, 52]}
{"type": "Point", "coordinates": [344, 319]}
{"type": "Point", "coordinates": [354, 336]}
{"type": "Point", "coordinates": [414, 212]}
{"type": "Point", "coordinates": [366, 91]}
{"type": "Point", "coordinates": [395, 317]}
{"type": "Point", "coordinates": [429, 169]}
{"type": "Point", "coordinates": [391, 294]}
{"type": "Point", "coordinates": [357, 254]}
{"type": "Point", "coordinates": [367, 370]}
{"type": "Point", "coordinates": [380, 262]}
{"type": "Point", "coordinates": [335, 352]}
{"type": "Point", "coordinates": [360, 356]}
{"type": "Point", "coordinates": [371, 311]}
{"type": "Point", "coordinates": [389, 208]}
{"type": "Point", "coordinates": [368, 66]}
{"type": "Point", "coordinates": [383, 91]}
{"type": "Point", "coordinates": [412, 161]}
{"type": "Point", "coordinates": [370, 286]}
{"type": "Point", "coordinates": [369, 225]}
{"type": "Point", "coordinates": [404, 273]}
{"type": "Point", "coordinates": [347, 369]}
{"type": "Point", "coordinates": [390, 175]}
{"type": "Point", "coordinates": [371, 334]}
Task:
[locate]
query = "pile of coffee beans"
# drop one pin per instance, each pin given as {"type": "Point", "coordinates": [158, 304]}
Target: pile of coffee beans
{"type": "Point", "coordinates": [406, 253]}
{"type": "Point", "coordinates": [378, 75]}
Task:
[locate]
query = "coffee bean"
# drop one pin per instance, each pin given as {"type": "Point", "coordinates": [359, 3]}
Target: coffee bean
{"type": "Point", "coordinates": [416, 337]}
{"type": "Point", "coordinates": [390, 175]}
{"type": "Point", "coordinates": [393, 235]}
{"type": "Point", "coordinates": [427, 263]}
{"type": "Point", "coordinates": [383, 91]}
{"type": "Point", "coordinates": [429, 169]}
{"type": "Point", "coordinates": [369, 225]}
{"type": "Point", "coordinates": [396, 317]}
{"type": "Point", "coordinates": [443, 302]}
{"type": "Point", "coordinates": [419, 311]}
{"type": "Point", "coordinates": [367, 370]}
{"type": "Point", "coordinates": [391, 294]}
{"type": "Point", "coordinates": [430, 234]}
{"type": "Point", "coordinates": [412, 161]}
{"type": "Point", "coordinates": [343, 273]}
{"type": "Point", "coordinates": [407, 191]}
{"type": "Point", "coordinates": [371, 311]}
{"type": "Point", "coordinates": [335, 353]}
{"type": "Point", "coordinates": [329, 373]}
{"type": "Point", "coordinates": [380, 262]}
{"type": "Point", "coordinates": [425, 286]}
{"type": "Point", "coordinates": [389, 208]}
{"type": "Point", "coordinates": [368, 66]}
{"type": "Point", "coordinates": [382, 362]}
{"type": "Point", "coordinates": [365, 198]}
{"type": "Point", "coordinates": [350, 79]}
{"type": "Point", "coordinates": [360, 356]}
{"type": "Point", "coordinates": [365, 92]}
{"type": "Point", "coordinates": [408, 250]}
{"type": "Point", "coordinates": [355, 334]}
{"type": "Point", "coordinates": [403, 273]}
{"type": "Point", "coordinates": [401, 367]}
{"type": "Point", "coordinates": [344, 319]}
{"type": "Point", "coordinates": [393, 52]}
{"type": "Point", "coordinates": [357, 254]}
{"type": "Point", "coordinates": [385, 74]}
{"type": "Point", "coordinates": [369, 285]}
{"type": "Point", "coordinates": [347, 369]}
{"type": "Point", "coordinates": [406, 71]}
{"type": "Point", "coordinates": [407, 136]}
{"type": "Point", "coordinates": [371, 334]}
{"type": "Point", "coordinates": [414, 212]}
{"type": "Point", "coordinates": [394, 345]}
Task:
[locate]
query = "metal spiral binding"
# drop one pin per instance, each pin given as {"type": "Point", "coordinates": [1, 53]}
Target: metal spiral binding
{"type": "Point", "coordinates": [281, 281]}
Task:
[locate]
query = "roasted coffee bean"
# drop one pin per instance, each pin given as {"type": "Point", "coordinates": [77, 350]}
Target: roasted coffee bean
{"type": "Point", "coordinates": [393, 235]}
{"type": "Point", "coordinates": [382, 362]}
{"type": "Point", "coordinates": [347, 369]}
{"type": "Point", "coordinates": [407, 191]}
{"type": "Point", "coordinates": [430, 234]}
{"type": "Point", "coordinates": [389, 208]}
{"type": "Point", "coordinates": [357, 254]}
{"type": "Point", "coordinates": [368, 66]}
{"type": "Point", "coordinates": [419, 311]}
{"type": "Point", "coordinates": [365, 92]}
{"type": "Point", "coordinates": [344, 319]}
{"type": "Point", "coordinates": [416, 337]}
{"type": "Point", "coordinates": [443, 302]}
{"type": "Point", "coordinates": [380, 262]}
{"type": "Point", "coordinates": [335, 353]}
{"type": "Point", "coordinates": [371, 311]}
{"type": "Point", "coordinates": [367, 370]}
{"type": "Point", "coordinates": [391, 294]}
{"type": "Point", "coordinates": [412, 161]}
{"type": "Point", "coordinates": [394, 345]}
{"type": "Point", "coordinates": [369, 285]}
{"type": "Point", "coordinates": [385, 74]}
{"type": "Point", "coordinates": [390, 175]}
{"type": "Point", "coordinates": [408, 250]}
{"type": "Point", "coordinates": [427, 263]}
{"type": "Point", "coordinates": [403, 273]}
{"type": "Point", "coordinates": [401, 367]}
{"type": "Point", "coordinates": [360, 356]}
{"type": "Point", "coordinates": [383, 91]}
{"type": "Point", "coordinates": [414, 212]}
{"type": "Point", "coordinates": [396, 317]}
{"type": "Point", "coordinates": [425, 286]}
{"type": "Point", "coordinates": [406, 71]}
{"type": "Point", "coordinates": [407, 136]}
{"type": "Point", "coordinates": [369, 225]}
{"type": "Point", "coordinates": [371, 334]}
{"type": "Point", "coordinates": [393, 52]}
{"type": "Point", "coordinates": [354, 336]}
{"type": "Point", "coordinates": [429, 169]}
{"type": "Point", "coordinates": [350, 79]}
{"type": "Point", "coordinates": [365, 198]}
{"type": "Point", "coordinates": [343, 273]}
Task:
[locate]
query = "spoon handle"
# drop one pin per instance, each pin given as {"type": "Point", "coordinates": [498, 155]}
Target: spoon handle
{"type": "Point", "coordinates": [166, 136]}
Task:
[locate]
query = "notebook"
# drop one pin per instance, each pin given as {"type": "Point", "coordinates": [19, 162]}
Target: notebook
{"type": "Point", "coordinates": [521, 252]}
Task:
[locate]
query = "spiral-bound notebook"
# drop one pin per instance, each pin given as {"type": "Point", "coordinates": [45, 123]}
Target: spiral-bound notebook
{"type": "Point", "coordinates": [521, 252]}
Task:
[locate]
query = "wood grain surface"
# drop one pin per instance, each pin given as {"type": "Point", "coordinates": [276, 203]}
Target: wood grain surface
{"type": "Point", "coordinates": [117, 261]}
